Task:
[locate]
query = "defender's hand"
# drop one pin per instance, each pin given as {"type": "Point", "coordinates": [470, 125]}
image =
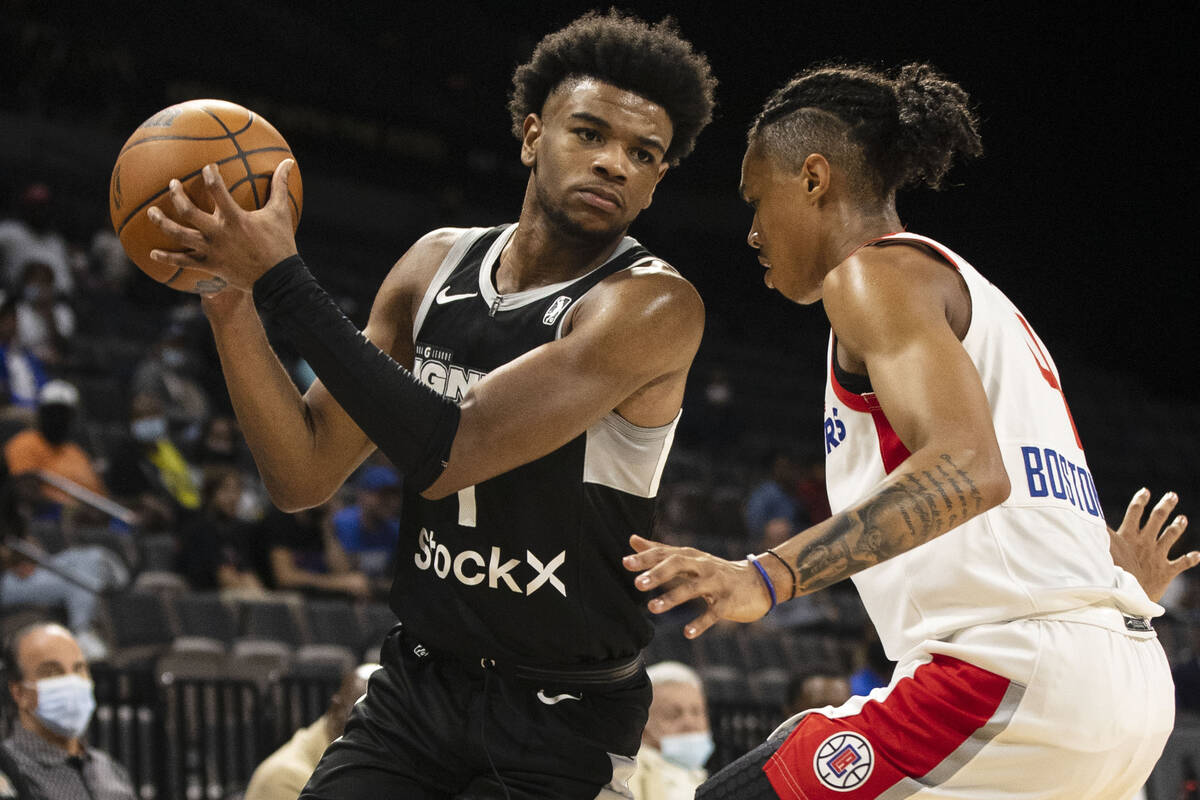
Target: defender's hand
{"type": "Point", "coordinates": [1143, 551]}
{"type": "Point", "coordinates": [733, 590]}
{"type": "Point", "coordinates": [235, 244]}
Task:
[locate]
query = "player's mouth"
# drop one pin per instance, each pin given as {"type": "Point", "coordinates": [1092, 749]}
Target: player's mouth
{"type": "Point", "coordinates": [601, 197]}
{"type": "Point", "coordinates": [766, 275]}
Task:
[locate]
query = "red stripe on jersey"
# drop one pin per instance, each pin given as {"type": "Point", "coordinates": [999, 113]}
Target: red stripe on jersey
{"type": "Point", "coordinates": [916, 727]}
{"type": "Point", "coordinates": [891, 449]}
{"type": "Point", "coordinates": [905, 236]}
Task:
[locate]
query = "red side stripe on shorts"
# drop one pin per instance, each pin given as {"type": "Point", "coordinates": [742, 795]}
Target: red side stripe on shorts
{"type": "Point", "coordinates": [920, 723]}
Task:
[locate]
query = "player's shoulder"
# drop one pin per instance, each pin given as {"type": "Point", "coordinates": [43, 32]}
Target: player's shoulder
{"type": "Point", "coordinates": [414, 269]}
{"type": "Point", "coordinates": [436, 243]}
{"type": "Point", "coordinates": [648, 296]}
{"type": "Point", "coordinates": [651, 277]}
{"type": "Point", "coordinates": [879, 271]}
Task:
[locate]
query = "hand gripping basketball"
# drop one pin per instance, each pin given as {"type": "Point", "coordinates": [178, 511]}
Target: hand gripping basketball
{"type": "Point", "coordinates": [234, 244]}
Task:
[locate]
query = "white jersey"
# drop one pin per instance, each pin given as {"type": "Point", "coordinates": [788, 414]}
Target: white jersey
{"type": "Point", "coordinates": [1042, 551]}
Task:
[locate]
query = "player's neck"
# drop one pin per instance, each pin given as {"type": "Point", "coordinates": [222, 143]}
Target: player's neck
{"type": "Point", "coordinates": [855, 229]}
{"type": "Point", "coordinates": [540, 253]}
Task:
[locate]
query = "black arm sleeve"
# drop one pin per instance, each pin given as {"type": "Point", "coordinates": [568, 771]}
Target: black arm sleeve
{"type": "Point", "coordinates": [413, 425]}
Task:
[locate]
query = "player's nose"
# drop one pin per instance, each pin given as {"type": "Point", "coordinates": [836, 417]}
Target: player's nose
{"type": "Point", "coordinates": [610, 163]}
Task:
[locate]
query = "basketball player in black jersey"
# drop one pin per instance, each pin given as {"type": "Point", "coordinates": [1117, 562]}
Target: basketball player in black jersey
{"type": "Point", "coordinates": [527, 380]}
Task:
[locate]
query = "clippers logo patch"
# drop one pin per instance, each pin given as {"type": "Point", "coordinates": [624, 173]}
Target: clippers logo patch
{"type": "Point", "coordinates": [844, 761]}
{"type": "Point", "coordinates": [556, 308]}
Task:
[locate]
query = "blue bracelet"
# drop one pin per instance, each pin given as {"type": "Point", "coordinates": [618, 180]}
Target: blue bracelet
{"type": "Point", "coordinates": [753, 559]}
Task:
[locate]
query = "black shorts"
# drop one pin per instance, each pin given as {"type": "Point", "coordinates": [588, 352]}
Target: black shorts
{"type": "Point", "coordinates": [438, 727]}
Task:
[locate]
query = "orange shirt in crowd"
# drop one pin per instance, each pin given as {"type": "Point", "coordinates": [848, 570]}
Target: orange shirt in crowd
{"type": "Point", "coordinates": [29, 451]}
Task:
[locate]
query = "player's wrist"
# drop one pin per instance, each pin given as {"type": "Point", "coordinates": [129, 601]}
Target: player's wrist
{"type": "Point", "coordinates": [765, 582]}
{"type": "Point", "coordinates": [781, 572]}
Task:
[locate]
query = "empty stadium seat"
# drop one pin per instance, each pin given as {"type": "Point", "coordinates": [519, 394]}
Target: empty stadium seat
{"type": "Point", "coordinates": [158, 551]}
{"type": "Point", "coordinates": [323, 661]}
{"type": "Point", "coordinates": [335, 622]}
{"type": "Point", "coordinates": [272, 619]}
{"type": "Point", "coordinates": [140, 626]}
{"type": "Point", "coordinates": [205, 614]}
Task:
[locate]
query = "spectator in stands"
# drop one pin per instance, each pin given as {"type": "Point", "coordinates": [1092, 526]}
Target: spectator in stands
{"type": "Point", "coordinates": [370, 528]}
{"type": "Point", "coordinates": [148, 473]}
{"type": "Point", "coordinates": [306, 555]}
{"type": "Point", "coordinates": [676, 742]}
{"type": "Point", "coordinates": [772, 515]}
{"type": "Point", "coordinates": [218, 549]}
{"type": "Point", "coordinates": [809, 489]}
{"type": "Point", "coordinates": [218, 443]}
{"type": "Point", "coordinates": [876, 669]}
{"type": "Point", "coordinates": [22, 374]}
{"type": "Point", "coordinates": [51, 686]}
{"type": "Point", "coordinates": [820, 688]}
{"type": "Point", "coordinates": [167, 374]}
{"type": "Point", "coordinates": [91, 570]}
{"type": "Point", "coordinates": [13, 785]}
{"type": "Point", "coordinates": [45, 324]}
{"type": "Point", "coordinates": [283, 774]}
{"type": "Point", "coordinates": [32, 237]}
{"type": "Point", "coordinates": [48, 448]}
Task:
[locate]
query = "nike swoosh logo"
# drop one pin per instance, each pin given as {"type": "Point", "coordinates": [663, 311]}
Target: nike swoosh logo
{"type": "Point", "coordinates": [558, 698]}
{"type": "Point", "coordinates": [444, 296]}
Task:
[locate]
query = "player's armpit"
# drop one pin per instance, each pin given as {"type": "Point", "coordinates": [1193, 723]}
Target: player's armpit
{"type": "Point", "coordinates": [634, 341]}
{"type": "Point", "coordinates": [929, 390]}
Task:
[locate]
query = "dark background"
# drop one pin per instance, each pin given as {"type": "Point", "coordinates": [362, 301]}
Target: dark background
{"type": "Point", "coordinates": [1082, 209]}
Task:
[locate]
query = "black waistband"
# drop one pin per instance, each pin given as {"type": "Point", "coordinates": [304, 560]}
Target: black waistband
{"type": "Point", "coordinates": [590, 675]}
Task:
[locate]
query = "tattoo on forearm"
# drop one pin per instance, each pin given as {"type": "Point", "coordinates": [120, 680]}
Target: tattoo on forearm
{"type": "Point", "coordinates": [900, 516]}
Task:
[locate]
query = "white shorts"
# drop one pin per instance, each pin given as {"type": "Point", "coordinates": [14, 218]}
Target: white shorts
{"type": "Point", "coordinates": [1070, 707]}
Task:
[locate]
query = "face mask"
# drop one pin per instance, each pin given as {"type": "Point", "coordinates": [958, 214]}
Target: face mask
{"type": "Point", "coordinates": [65, 704]}
{"type": "Point", "coordinates": [173, 357]}
{"type": "Point", "coordinates": [149, 429]}
{"type": "Point", "coordinates": [54, 421]}
{"type": "Point", "coordinates": [688, 750]}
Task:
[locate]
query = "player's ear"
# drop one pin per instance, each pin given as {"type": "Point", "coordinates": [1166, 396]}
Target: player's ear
{"type": "Point", "coordinates": [815, 173]}
{"type": "Point", "coordinates": [532, 131]}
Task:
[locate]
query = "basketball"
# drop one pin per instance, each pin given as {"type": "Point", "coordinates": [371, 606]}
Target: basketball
{"type": "Point", "coordinates": [176, 143]}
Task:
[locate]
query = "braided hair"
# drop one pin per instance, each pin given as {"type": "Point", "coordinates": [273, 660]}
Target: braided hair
{"type": "Point", "coordinates": [653, 61]}
{"type": "Point", "coordinates": [886, 131]}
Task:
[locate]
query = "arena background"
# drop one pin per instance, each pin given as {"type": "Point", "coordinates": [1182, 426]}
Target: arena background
{"type": "Point", "coordinates": [1083, 208]}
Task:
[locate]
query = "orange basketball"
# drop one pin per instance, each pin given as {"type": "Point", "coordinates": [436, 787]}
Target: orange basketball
{"type": "Point", "coordinates": [176, 143]}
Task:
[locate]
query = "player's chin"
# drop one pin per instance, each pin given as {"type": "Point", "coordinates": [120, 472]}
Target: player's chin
{"type": "Point", "coordinates": [597, 228]}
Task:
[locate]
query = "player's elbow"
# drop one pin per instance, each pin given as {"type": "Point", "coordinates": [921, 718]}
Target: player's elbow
{"type": "Point", "coordinates": [293, 496]}
{"type": "Point", "coordinates": [990, 477]}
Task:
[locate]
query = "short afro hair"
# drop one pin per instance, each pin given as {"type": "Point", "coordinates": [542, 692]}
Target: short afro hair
{"type": "Point", "coordinates": [653, 61]}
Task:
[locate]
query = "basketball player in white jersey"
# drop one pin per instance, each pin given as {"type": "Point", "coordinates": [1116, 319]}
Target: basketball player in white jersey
{"type": "Point", "coordinates": [964, 506]}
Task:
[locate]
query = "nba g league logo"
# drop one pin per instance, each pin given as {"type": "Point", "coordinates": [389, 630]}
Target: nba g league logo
{"type": "Point", "coordinates": [844, 761]}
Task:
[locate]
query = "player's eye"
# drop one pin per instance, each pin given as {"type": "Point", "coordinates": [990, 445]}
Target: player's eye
{"type": "Point", "coordinates": [643, 156]}
{"type": "Point", "coordinates": [587, 135]}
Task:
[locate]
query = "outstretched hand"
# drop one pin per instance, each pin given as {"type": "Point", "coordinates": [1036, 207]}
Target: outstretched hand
{"type": "Point", "coordinates": [732, 590]}
{"type": "Point", "coordinates": [235, 244]}
{"type": "Point", "coordinates": [1143, 551]}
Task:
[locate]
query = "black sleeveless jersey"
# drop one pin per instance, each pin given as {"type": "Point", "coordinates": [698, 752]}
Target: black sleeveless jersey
{"type": "Point", "coordinates": [525, 567]}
